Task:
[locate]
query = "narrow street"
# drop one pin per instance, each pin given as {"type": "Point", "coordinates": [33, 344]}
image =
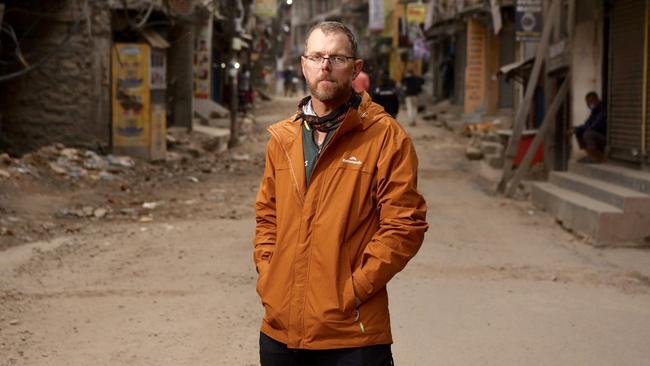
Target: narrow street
{"type": "Point", "coordinates": [497, 282]}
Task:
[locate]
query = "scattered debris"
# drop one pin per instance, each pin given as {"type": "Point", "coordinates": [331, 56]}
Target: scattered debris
{"type": "Point", "coordinates": [473, 153]}
{"type": "Point", "coordinates": [121, 161]}
{"type": "Point", "coordinates": [193, 179]}
{"type": "Point", "coordinates": [100, 213]}
{"type": "Point", "coordinates": [152, 205]}
{"type": "Point", "coordinates": [6, 232]}
{"type": "Point", "coordinates": [241, 157]}
{"type": "Point", "coordinates": [5, 159]}
{"type": "Point", "coordinates": [146, 219]}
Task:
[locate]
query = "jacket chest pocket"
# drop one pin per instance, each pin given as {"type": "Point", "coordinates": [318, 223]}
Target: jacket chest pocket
{"type": "Point", "coordinates": [347, 199]}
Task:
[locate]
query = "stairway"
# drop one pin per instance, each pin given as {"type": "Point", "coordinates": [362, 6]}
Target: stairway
{"type": "Point", "coordinates": [608, 203]}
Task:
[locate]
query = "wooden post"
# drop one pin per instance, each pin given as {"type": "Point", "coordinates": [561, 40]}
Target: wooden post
{"type": "Point", "coordinates": [234, 109]}
{"type": "Point", "coordinates": [522, 112]}
{"type": "Point", "coordinates": [541, 133]}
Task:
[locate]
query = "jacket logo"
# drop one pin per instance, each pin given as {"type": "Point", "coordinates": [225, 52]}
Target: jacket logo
{"type": "Point", "coordinates": [352, 160]}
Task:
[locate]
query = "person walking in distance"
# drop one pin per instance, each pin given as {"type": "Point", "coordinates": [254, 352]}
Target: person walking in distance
{"type": "Point", "coordinates": [413, 87]}
{"type": "Point", "coordinates": [385, 94]}
{"type": "Point", "coordinates": [361, 82]}
{"type": "Point", "coordinates": [338, 214]}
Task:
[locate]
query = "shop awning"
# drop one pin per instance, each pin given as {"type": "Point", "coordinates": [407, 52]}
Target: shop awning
{"type": "Point", "coordinates": [518, 71]}
{"type": "Point", "coordinates": [154, 39]}
{"type": "Point", "coordinates": [443, 29]}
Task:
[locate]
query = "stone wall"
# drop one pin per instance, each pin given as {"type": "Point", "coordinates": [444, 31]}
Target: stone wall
{"type": "Point", "coordinates": [67, 99]}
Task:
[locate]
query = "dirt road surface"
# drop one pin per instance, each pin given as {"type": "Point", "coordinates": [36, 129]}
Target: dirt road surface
{"type": "Point", "coordinates": [495, 283]}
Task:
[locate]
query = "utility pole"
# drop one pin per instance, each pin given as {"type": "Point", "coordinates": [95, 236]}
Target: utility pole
{"type": "Point", "coordinates": [234, 105]}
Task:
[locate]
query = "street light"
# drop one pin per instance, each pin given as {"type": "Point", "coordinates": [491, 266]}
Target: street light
{"type": "Point", "coordinates": [289, 2]}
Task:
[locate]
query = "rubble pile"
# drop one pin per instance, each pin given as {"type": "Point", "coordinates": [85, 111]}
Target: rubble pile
{"type": "Point", "coordinates": [484, 143]}
{"type": "Point", "coordinates": [59, 189]}
{"type": "Point", "coordinates": [66, 163]}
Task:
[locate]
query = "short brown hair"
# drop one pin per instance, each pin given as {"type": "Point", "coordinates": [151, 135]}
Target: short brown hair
{"type": "Point", "coordinates": [333, 27]}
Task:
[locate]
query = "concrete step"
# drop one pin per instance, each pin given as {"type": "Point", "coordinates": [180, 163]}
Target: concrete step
{"type": "Point", "coordinates": [621, 197]}
{"type": "Point", "coordinates": [587, 216]}
{"type": "Point", "coordinates": [626, 177]}
{"type": "Point", "coordinates": [217, 137]}
{"type": "Point", "coordinates": [207, 109]}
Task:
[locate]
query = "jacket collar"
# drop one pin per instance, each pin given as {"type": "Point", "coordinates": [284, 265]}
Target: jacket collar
{"type": "Point", "coordinates": [289, 135]}
{"type": "Point", "coordinates": [356, 119]}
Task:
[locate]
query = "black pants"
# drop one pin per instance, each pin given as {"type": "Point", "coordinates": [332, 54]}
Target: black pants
{"type": "Point", "coordinates": [591, 140]}
{"type": "Point", "coordinates": [274, 353]}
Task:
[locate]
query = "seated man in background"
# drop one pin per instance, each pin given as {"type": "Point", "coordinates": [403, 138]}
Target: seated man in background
{"type": "Point", "coordinates": [592, 135]}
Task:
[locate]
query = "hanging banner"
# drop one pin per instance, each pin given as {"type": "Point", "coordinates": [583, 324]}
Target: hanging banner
{"type": "Point", "coordinates": [131, 95]}
{"type": "Point", "coordinates": [389, 7]}
{"type": "Point", "coordinates": [475, 72]}
{"type": "Point", "coordinates": [416, 13]}
{"type": "Point", "coordinates": [431, 8]}
{"type": "Point", "coordinates": [529, 20]}
{"type": "Point", "coordinates": [266, 8]}
{"type": "Point", "coordinates": [203, 61]}
{"type": "Point", "coordinates": [376, 15]}
{"type": "Point", "coordinates": [497, 22]}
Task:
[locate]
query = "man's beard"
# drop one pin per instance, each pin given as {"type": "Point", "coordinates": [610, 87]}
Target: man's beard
{"type": "Point", "coordinates": [334, 92]}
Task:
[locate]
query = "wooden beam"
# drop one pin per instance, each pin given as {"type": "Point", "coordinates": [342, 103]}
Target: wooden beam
{"type": "Point", "coordinates": [539, 137]}
{"type": "Point", "coordinates": [524, 108]}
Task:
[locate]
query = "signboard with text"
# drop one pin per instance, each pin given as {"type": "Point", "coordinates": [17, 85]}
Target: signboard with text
{"type": "Point", "coordinates": [475, 73]}
{"type": "Point", "coordinates": [529, 20]}
{"type": "Point", "coordinates": [376, 16]}
{"type": "Point", "coordinates": [416, 13]}
{"type": "Point", "coordinates": [266, 8]}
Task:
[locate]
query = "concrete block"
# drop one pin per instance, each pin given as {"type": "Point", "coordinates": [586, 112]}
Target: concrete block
{"type": "Point", "coordinates": [491, 148]}
{"type": "Point", "coordinates": [218, 137]}
{"type": "Point", "coordinates": [603, 223]}
{"type": "Point", "coordinates": [624, 198]}
{"type": "Point", "coordinates": [207, 109]}
{"type": "Point", "coordinates": [626, 177]}
{"type": "Point", "coordinates": [579, 213]}
{"type": "Point", "coordinates": [495, 162]}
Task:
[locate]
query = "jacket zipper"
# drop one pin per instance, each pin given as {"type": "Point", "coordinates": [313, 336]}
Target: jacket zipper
{"type": "Point", "coordinates": [322, 150]}
{"type": "Point", "coordinates": [288, 157]}
{"type": "Point", "coordinates": [357, 318]}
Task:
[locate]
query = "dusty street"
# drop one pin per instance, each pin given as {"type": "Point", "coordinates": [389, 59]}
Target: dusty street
{"type": "Point", "coordinates": [496, 282]}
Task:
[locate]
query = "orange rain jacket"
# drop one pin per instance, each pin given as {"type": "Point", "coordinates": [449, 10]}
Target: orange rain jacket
{"type": "Point", "coordinates": [356, 225]}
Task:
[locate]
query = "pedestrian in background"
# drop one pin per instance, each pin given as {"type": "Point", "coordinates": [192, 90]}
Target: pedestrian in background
{"type": "Point", "coordinates": [289, 84]}
{"type": "Point", "coordinates": [338, 215]}
{"type": "Point", "coordinates": [412, 85]}
{"type": "Point", "coordinates": [361, 83]}
{"type": "Point", "coordinates": [386, 94]}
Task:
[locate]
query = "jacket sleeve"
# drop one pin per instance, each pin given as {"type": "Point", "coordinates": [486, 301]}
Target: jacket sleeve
{"type": "Point", "coordinates": [402, 218]}
{"type": "Point", "coordinates": [265, 217]}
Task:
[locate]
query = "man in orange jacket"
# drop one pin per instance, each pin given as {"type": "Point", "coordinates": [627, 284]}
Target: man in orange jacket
{"type": "Point", "coordinates": [338, 215]}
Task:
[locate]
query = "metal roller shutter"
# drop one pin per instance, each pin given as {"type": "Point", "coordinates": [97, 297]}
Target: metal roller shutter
{"type": "Point", "coordinates": [626, 79]}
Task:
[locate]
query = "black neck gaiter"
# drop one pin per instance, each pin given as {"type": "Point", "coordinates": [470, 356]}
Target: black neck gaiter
{"type": "Point", "coordinates": [331, 121]}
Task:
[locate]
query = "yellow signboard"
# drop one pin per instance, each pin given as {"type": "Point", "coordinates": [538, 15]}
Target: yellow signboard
{"type": "Point", "coordinates": [266, 8]}
{"type": "Point", "coordinates": [158, 148]}
{"type": "Point", "coordinates": [131, 93]}
{"type": "Point", "coordinates": [416, 13]}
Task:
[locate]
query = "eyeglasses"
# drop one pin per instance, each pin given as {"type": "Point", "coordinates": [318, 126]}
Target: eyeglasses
{"type": "Point", "coordinates": [337, 62]}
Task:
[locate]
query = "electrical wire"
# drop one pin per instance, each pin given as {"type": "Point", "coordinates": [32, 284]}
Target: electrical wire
{"type": "Point", "coordinates": [8, 29]}
{"type": "Point", "coordinates": [138, 24]}
{"type": "Point", "coordinates": [144, 19]}
{"type": "Point", "coordinates": [55, 50]}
